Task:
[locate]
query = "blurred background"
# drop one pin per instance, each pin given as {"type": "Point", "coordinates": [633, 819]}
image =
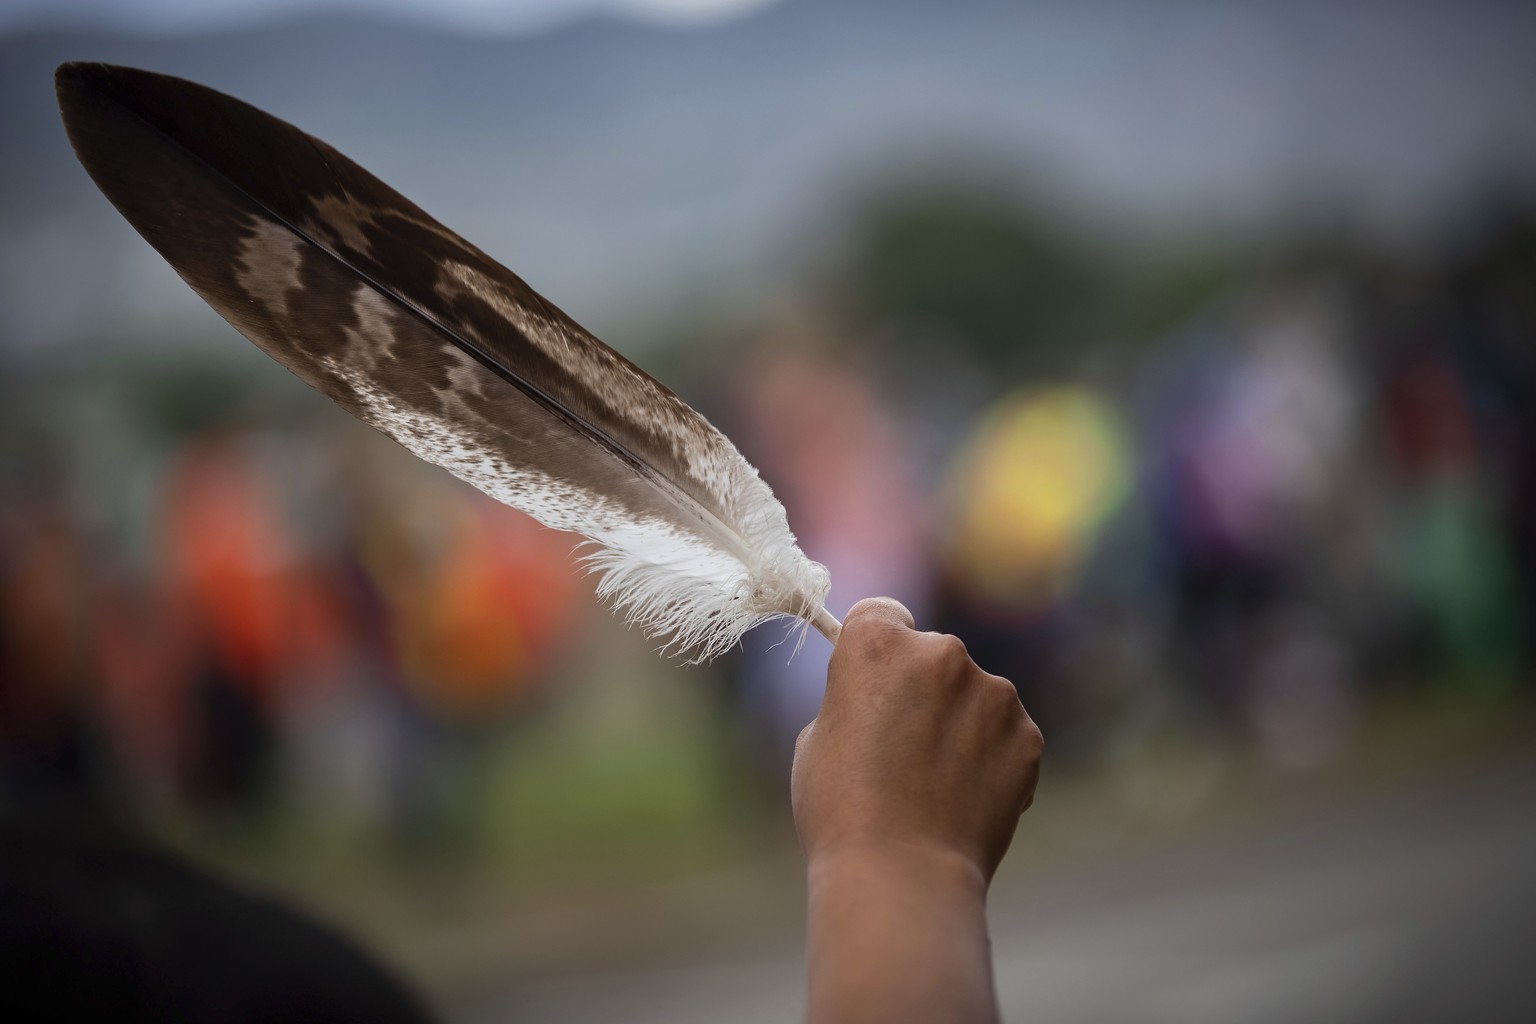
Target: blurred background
{"type": "Point", "coordinates": [1179, 357]}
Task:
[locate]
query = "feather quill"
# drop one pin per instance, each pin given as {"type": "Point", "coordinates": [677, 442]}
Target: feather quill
{"type": "Point", "coordinates": [421, 335]}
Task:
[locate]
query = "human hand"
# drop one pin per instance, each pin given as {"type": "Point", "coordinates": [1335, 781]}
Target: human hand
{"type": "Point", "coordinates": [916, 752]}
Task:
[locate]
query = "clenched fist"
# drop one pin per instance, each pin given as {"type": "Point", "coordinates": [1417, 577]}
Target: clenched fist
{"type": "Point", "coordinates": [915, 747]}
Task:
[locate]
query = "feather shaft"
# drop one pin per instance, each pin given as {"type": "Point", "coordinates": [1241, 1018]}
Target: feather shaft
{"type": "Point", "coordinates": [827, 626]}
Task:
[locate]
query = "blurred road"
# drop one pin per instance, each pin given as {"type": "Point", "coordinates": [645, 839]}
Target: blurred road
{"type": "Point", "coordinates": [1409, 907]}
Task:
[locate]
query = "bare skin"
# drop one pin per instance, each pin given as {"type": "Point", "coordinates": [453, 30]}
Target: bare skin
{"type": "Point", "coordinates": [906, 790]}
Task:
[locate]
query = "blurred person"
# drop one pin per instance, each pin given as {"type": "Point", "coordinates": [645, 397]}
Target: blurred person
{"type": "Point", "coordinates": [230, 563]}
{"type": "Point", "coordinates": [144, 656]}
{"type": "Point", "coordinates": [1452, 454]}
{"type": "Point", "coordinates": [478, 625]}
{"type": "Point", "coordinates": [479, 603]}
{"type": "Point", "coordinates": [826, 440]}
{"type": "Point", "coordinates": [1252, 425]}
{"type": "Point", "coordinates": [47, 731]}
{"type": "Point", "coordinates": [1027, 497]}
{"type": "Point", "coordinates": [96, 924]}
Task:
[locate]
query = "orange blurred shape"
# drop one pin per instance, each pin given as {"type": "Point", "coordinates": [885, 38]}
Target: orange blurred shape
{"type": "Point", "coordinates": [237, 574]}
{"type": "Point", "coordinates": [477, 628]}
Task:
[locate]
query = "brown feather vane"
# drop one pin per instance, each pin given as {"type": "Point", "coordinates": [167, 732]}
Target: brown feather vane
{"type": "Point", "coordinates": [421, 335]}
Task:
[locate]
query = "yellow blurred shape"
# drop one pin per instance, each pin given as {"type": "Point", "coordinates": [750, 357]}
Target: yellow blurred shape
{"type": "Point", "coordinates": [1030, 489]}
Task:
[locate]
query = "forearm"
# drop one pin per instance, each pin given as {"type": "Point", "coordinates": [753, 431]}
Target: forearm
{"type": "Point", "coordinates": [896, 937]}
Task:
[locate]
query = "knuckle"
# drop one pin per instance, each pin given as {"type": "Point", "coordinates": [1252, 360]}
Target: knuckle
{"type": "Point", "coordinates": [805, 737]}
{"type": "Point", "coordinates": [944, 656]}
{"type": "Point", "coordinates": [1005, 697]}
{"type": "Point", "coordinates": [952, 648]}
{"type": "Point", "coordinates": [1003, 689]}
{"type": "Point", "coordinates": [1034, 739]}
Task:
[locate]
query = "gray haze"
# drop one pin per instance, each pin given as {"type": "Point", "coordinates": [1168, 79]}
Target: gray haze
{"type": "Point", "coordinates": [632, 171]}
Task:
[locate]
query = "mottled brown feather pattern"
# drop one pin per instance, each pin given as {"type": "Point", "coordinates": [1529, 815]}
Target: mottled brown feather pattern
{"type": "Point", "coordinates": [369, 225]}
{"type": "Point", "coordinates": [419, 333]}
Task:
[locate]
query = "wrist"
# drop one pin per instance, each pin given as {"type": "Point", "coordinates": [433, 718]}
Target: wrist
{"type": "Point", "coordinates": [919, 867]}
{"type": "Point", "coordinates": [897, 933]}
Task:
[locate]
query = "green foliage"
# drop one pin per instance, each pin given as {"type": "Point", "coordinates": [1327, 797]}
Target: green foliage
{"type": "Point", "coordinates": [1013, 283]}
{"type": "Point", "coordinates": [972, 264]}
{"type": "Point", "coordinates": [625, 766]}
{"type": "Point", "coordinates": [1158, 291]}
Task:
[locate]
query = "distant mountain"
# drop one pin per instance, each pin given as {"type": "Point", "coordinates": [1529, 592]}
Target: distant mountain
{"type": "Point", "coordinates": [626, 170]}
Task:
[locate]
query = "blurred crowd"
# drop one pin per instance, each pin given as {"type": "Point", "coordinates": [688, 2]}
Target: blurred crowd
{"type": "Point", "coordinates": [249, 641]}
{"type": "Point", "coordinates": [1314, 489]}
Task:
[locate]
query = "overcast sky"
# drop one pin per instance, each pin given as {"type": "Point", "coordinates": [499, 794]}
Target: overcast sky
{"type": "Point", "coordinates": [463, 15]}
{"type": "Point", "coordinates": [629, 173]}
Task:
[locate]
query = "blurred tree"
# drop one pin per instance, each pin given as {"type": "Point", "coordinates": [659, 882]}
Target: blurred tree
{"type": "Point", "coordinates": [973, 264]}
{"type": "Point", "coordinates": [1158, 289]}
{"type": "Point", "coordinates": [1020, 284]}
